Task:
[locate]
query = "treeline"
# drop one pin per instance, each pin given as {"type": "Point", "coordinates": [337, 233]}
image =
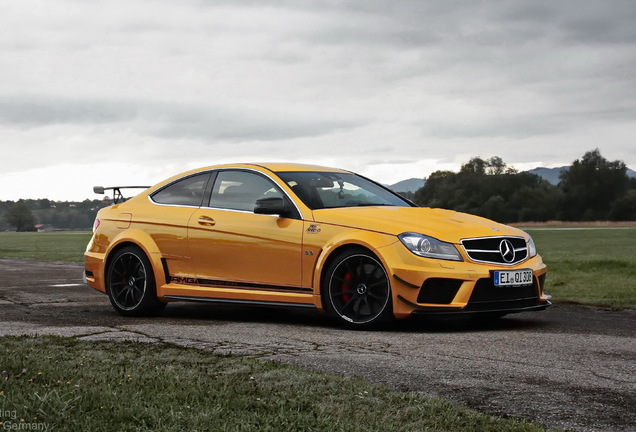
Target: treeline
{"type": "Point", "coordinates": [593, 188]}
{"type": "Point", "coordinates": [25, 215]}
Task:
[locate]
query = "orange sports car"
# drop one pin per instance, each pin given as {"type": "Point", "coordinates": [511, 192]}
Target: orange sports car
{"type": "Point", "coordinates": [290, 235]}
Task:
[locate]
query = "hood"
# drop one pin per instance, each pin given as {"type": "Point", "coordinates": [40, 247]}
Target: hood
{"type": "Point", "coordinates": [446, 225]}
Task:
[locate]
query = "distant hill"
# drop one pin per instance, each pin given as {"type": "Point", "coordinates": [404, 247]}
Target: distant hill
{"type": "Point", "coordinates": [552, 174]}
{"type": "Point", "coordinates": [410, 185]}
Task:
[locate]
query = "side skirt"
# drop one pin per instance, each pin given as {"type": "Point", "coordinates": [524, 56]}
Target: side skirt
{"type": "Point", "coordinates": [240, 302]}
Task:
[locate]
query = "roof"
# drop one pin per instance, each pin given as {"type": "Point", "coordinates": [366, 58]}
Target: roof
{"type": "Point", "coordinates": [286, 167]}
{"type": "Point", "coordinates": [271, 166]}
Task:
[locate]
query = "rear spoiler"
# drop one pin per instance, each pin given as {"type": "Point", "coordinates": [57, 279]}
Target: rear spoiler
{"type": "Point", "coordinates": [117, 195]}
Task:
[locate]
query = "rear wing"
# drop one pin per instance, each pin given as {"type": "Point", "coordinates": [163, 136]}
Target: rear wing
{"type": "Point", "coordinates": [117, 195]}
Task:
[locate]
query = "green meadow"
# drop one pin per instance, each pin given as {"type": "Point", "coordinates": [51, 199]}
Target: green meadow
{"type": "Point", "coordinates": [592, 266]}
{"type": "Point", "coordinates": [65, 246]}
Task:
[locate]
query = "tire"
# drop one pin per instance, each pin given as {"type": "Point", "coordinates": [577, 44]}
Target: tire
{"type": "Point", "coordinates": [130, 283]}
{"type": "Point", "coordinates": [356, 290]}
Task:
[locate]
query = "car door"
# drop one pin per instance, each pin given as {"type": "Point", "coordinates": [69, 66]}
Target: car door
{"type": "Point", "coordinates": [231, 246]}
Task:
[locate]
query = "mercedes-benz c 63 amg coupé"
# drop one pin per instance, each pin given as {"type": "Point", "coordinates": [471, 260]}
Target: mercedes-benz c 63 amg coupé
{"type": "Point", "coordinates": [290, 235]}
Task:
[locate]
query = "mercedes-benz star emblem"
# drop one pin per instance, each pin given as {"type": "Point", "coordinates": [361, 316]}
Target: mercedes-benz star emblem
{"type": "Point", "coordinates": [507, 250]}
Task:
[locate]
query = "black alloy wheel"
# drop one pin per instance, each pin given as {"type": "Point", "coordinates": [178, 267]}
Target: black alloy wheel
{"type": "Point", "coordinates": [131, 284]}
{"type": "Point", "coordinates": [358, 291]}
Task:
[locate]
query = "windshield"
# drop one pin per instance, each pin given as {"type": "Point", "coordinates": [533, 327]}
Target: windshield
{"type": "Point", "coordinates": [319, 190]}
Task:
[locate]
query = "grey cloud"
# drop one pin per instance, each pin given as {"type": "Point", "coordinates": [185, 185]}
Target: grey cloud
{"type": "Point", "coordinates": [389, 161]}
{"type": "Point", "coordinates": [576, 22]}
{"type": "Point", "coordinates": [234, 126]}
{"type": "Point", "coordinates": [32, 112]}
{"type": "Point", "coordinates": [409, 24]}
{"type": "Point", "coordinates": [167, 120]}
{"type": "Point", "coordinates": [462, 73]}
{"type": "Point", "coordinates": [602, 30]}
{"type": "Point", "coordinates": [513, 129]}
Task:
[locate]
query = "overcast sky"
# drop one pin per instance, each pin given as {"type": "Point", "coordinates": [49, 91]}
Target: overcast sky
{"type": "Point", "coordinates": [118, 92]}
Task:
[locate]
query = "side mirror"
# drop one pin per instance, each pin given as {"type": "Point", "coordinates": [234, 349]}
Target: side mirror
{"type": "Point", "coordinates": [271, 206]}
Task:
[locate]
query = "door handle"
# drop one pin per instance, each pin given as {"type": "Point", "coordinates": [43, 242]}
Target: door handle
{"type": "Point", "coordinates": [206, 220]}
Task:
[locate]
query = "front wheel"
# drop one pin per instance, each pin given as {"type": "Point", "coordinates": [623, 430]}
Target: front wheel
{"type": "Point", "coordinates": [130, 283]}
{"type": "Point", "coordinates": [357, 291]}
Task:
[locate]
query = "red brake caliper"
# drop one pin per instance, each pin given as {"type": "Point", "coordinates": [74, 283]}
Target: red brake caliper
{"type": "Point", "coordinates": [346, 287]}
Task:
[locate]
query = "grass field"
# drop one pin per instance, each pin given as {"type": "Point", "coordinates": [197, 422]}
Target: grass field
{"type": "Point", "coordinates": [594, 266]}
{"type": "Point", "coordinates": [65, 246]}
{"type": "Point", "coordinates": [69, 385]}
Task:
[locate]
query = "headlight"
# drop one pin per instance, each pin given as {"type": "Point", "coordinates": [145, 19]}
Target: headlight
{"type": "Point", "coordinates": [532, 249]}
{"type": "Point", "coordinates": [429, 247]}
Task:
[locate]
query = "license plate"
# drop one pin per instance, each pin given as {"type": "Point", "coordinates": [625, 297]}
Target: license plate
{"type": "Point", "coordinates": [512, 277]}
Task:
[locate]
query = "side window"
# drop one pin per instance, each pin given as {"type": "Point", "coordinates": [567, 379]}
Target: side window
{"type": "Point", "coordinates": [239, 190]}
{"type": "Point", "coordinates": [187, 192]}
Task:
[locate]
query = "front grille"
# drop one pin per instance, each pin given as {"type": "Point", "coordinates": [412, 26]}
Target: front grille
{"type": "Point", "coordinates": [487, 296]}
{"type": "Point", "coordinates": [496, 250]}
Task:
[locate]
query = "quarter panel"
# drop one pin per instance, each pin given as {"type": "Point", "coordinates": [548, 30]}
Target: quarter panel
{"type": "Point", "coordinates": [167, 227]}
{"type": "Point", "coordinates": [147, 244]}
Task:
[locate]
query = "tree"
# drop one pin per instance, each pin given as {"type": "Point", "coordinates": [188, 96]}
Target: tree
{"type": "Point", "coordinates": [491, 189]}
{"type": "Point", "coordinates": [475, 165]}
{"type": "Point", "coordinates": [624, 208]}
{"type": "Point", "coordinates": [590, 186]}
{"type": "Point", "coordinates": [20, 216]}
{"type": "Point", "coordinates": [493, 166]}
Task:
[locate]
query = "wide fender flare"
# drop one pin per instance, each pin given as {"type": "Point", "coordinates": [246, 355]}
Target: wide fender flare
{"type": "Point", "coordinates": [144, 241]}
{"type": "Point", "coordinates": [372, 241]}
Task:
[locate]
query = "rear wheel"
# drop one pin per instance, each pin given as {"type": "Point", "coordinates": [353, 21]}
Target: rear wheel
{"type": "Point", "coordinates": [130, 283]}
{"type": "Point", "coordinates": [357, 291]}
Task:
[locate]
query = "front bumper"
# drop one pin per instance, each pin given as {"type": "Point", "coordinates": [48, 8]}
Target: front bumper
{"type": "Point", "coordinates": [467, 311]}
{"type": "Point", "coordinates": [435, 287]}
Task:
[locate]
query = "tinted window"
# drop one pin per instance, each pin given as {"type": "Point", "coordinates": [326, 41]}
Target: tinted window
{"type": "Point", "coordinates": [239, 190]}
{"type": "Point", "coordinates": [187, 192]}
{"type": "Point", "coordinates": [320, 190]}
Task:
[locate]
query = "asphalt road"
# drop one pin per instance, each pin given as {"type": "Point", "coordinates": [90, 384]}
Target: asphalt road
{"type": "Point", "coordinates": [570, 367]}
